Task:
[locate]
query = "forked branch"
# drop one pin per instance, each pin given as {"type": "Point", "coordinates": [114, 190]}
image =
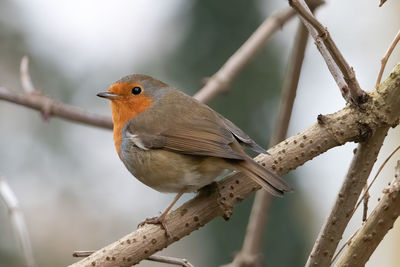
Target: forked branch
{"type": "Point", "coordinates": [376, 227]}
{"type": "Point", "coordinates": [343, 74]}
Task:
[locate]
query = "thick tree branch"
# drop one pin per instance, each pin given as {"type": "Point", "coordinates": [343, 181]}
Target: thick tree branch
{"type": "Point", "coordinates": [348, 124]}
{"type": "Point", "coordinates": [346, 79]}
{"type": "Point", "coordinates": [341, 213]}
{"type": "Point", "coordinates": [251, 250]}
{"type": "Point", "coordinates": [376, 227]}
{"type": "Point", "coordinates": [18, 221]}
{"type": "Point", "coordinates": [54, 108]}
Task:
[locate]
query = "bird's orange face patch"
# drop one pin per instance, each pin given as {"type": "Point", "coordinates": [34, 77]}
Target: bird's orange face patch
{"type": "Point", "coordinates": [126, 106]}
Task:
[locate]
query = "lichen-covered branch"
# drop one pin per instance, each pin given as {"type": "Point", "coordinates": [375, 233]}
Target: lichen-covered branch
{"type": "Point", "coordinates": [375, 228]}
{"type": "Point", "coordinates": [348, 124]}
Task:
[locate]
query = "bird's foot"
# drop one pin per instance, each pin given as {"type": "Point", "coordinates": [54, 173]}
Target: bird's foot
{"type": "Point", "coordinates": [157, 220]}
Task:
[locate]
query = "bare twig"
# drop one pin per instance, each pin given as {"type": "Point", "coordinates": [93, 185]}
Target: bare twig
{"type": "Point", "coordinates": [348, 124]}
{"type": "Point", "coordinates": [382, 2]}
{"type": "Point", "coordinates": [386, 57]}
{"type": "Point", "coordinates": [333, 228]}
{"type": "Point", "coordinates": [251, 250]}
{"type": "Point", "coordinates": [17, 221]}
{"type": "Point", "coordinates": [157, 258]}
{"type": "Point", "coordinates": [376, 227]}
{"type": "Point", "coordinates": [343, 246]}
{"type": "Point", "coordinates": [170, 260]}
{"type": "Point", "coordinates": [25, 77]}
{"type": "Point", "coordinates": [56, 108]}
{"type": "Point", "coordinates": [365, 200]}
{"type": "Point", "coordinates": [221, 80]}
{"type": "Point", "coordinates": [334, 59]}
{"type": "Point", "coordinates": [366, 191]}
{"type": "Point", "coordinates": [376, 176]}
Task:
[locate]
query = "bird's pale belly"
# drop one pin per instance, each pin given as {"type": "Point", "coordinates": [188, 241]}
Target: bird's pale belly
{"type": "Point", "coordinates": [167, 171]}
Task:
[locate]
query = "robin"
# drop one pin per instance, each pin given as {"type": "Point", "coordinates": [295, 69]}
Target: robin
{"type": "Point", "coordinates": [173, 143]}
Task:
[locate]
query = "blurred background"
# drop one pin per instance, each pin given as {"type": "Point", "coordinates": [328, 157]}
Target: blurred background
{"type": "Point", "coordinates": [72, 188]}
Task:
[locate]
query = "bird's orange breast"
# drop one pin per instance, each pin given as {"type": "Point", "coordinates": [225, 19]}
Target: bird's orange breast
{"type": "Point", "coordinates": [124, 109]}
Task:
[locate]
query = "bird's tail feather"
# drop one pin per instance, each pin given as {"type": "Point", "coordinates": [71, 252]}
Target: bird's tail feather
{"type": "Point", "coordinates": [265, 178]}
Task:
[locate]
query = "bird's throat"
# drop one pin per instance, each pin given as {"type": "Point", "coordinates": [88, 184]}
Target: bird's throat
{"type": "Point", "coordinates": [124, 111]}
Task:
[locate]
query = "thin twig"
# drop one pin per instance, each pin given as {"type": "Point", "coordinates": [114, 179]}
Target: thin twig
{"type": "Point", "coordinates": [376, 176]}
{"type": "Point", "coordinates": [25, 77]}
{"type": "Point", "coordinates": [17, 221]}
{"type": "Point", "coordinates": [55, 108]}
{"type": "Point", "coordinates": [332, 130]}
{"type": "Point", "coordinates": [344, 245]}
{"type": "Point", "coordinates": [376, 227]}
{"type": "Point", "coordinates": [251, 250]}
{"type": "Point", "coordinates": [170, 260]}
{"type": "Point", "coordinates": [382, 2]}
{"type": "Point", "coordinates": [157, 258]}
{"type": "Point", "coordinates": [334, 59]}
{"type": "Point", "coordinates": [386, 57]}
{"type": "Point", "coordinates": [357, 175]}
{"type": "Point", "coordinates": [366, 191]}
{"type": "Point", "coordinates": [365, 198]}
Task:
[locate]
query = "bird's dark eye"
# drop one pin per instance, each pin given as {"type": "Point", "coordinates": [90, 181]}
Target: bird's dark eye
{"type": "Point", "coordinates": [136, 90]}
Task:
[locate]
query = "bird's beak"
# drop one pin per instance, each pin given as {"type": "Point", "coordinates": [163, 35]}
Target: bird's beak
{"type": "Point", "coordinates": [107, 95]}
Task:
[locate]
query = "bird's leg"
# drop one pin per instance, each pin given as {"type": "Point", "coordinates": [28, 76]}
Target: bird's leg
{"type": "Point", "coordinates": [161, 219]}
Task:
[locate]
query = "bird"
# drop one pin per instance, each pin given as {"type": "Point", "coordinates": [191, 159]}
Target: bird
{"type": "Point", "coordinates": [173, 143]}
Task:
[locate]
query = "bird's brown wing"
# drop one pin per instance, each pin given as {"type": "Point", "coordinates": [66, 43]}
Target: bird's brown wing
{"type": "Point", "coordinates": [242, 136]}
{"type": "Point", "coordinates": [203, 138]}
{"type": "Point", "coordinates": [207, 139]}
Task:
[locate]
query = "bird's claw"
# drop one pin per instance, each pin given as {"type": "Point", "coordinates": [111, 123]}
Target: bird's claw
{"type": "Point", "coordinates": [157, 220]}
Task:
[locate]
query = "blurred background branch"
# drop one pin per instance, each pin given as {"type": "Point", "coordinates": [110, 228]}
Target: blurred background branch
{"type": "Point", "coordinates": [53, 108]}
{"type": "Point", "coordinates": [18, 222]}
{"type": "Point", "coordinates": [251, 252]}
{"type": "Point", "coordinates": [25, 76]}
{"type": "Point", "coordinates": [222, 79]}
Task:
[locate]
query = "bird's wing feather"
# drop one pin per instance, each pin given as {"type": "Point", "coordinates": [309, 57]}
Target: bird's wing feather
{"type": "Point", "coordinates": [203, 138]}
{"type": "Point", "coordinates": [192, 141]}
{"type": "Point", "coordinates": [242, 136]}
